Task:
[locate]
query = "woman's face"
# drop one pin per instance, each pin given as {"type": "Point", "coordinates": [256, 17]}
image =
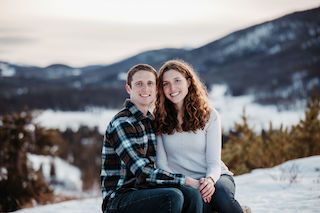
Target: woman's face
{"type": "Point", "coordinates": [175, 87]}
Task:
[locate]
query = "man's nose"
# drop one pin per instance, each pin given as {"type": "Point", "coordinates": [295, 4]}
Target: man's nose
{"type": "Point", "coordinates": [144, 87]}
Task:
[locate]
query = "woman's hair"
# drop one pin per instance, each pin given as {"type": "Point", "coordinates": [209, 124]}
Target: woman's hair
{"type": "Point", "coordinates": [196, 107]}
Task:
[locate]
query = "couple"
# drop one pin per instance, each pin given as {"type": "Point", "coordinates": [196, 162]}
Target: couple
{"type": "Point", "coordinates": [171, 163]}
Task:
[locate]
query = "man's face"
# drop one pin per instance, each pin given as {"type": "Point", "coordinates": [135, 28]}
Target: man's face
{"type": "Point", "coordinates": [143, 89]}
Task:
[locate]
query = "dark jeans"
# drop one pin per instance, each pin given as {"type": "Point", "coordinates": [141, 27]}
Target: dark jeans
{"type": "Point", "coordinates": [158, 200]}
{"type": "Point", "coordinates": [223, 198]}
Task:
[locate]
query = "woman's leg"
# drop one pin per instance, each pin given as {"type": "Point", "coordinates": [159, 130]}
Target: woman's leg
{"type": "Point", "coordinates": [223, 200]}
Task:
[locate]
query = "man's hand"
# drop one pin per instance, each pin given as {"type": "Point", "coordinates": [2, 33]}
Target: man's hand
{"type": "Point", "coordinates": [192, 183]}
{"type": "Point", "coordinates": [206, 188]}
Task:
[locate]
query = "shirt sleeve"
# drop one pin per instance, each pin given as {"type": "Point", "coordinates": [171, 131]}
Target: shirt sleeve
{"type": "Point", "coordinates": [125, 143]}
{"type": "Point", "coordinates": [213, 151]}
{"type": "Point", "coordinates": [162, 159]}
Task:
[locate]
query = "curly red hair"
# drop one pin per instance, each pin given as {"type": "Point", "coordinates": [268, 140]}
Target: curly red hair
{"type": "Point", "coordinates": [196, 105]}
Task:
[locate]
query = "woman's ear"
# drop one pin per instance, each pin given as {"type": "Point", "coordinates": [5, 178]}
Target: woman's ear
{"type": "Point", "coordinates": [189, 82]}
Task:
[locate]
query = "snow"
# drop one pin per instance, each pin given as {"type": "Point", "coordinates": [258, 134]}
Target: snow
{"type": "Point", "coordinates": [3, 173]}
{"type": "Point", "coordinates": [67, 175]}
{"type": "Point", "coordinates": [251, 40]}
{"type": "Point", "coordinates": [230, 109]}
{"type": "Point", "coordinates": [122, 76]}
{"type": "Point", "coordinates": [293, 186]}
{"type": "Point", "coordinates": [6, 70]}
{"type": "Point", "coordinates": [275, 49]}
{"type": "Point", "coordinates": [74, 119]}
{"type": "Point", "coordinates": [92, 205]}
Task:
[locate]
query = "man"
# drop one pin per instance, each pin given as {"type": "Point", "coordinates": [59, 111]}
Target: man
{"type": "Point", "coordinates": [130, 181]}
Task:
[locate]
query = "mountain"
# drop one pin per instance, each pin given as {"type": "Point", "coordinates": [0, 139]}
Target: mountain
{"type": "Point", "coordinates": [277, 61]}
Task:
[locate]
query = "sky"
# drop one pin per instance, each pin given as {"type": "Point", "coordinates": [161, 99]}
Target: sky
{"type": "Point", "coordinates": [88, 32]}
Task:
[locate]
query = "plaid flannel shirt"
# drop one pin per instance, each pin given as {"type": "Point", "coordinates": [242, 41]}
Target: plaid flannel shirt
{"type": "Point", "coordinates": [128, 154]}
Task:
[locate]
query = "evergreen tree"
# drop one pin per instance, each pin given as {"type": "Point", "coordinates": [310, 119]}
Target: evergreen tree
{"type": "Point", "coordinates": [307, 133]}
{"type": "Point", "coordinates": [245, 150]}
{"type": "Point", "coordinates": [19, 183]}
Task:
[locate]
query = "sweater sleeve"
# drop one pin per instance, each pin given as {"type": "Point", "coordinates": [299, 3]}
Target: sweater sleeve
{"type": "Point", "coordinates": [161, 156]}
{"type": "Point", "coordinates": [213, 150]}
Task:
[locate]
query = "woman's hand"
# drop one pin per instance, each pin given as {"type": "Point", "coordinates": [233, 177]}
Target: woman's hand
{"type": "Point", "coordinates": [206, 188]}
{"type": "Point", "coordinates": [192, 182]}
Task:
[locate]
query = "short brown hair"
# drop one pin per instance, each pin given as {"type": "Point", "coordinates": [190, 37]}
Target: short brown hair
{"type": "Point", "coordinates": [139, 67]}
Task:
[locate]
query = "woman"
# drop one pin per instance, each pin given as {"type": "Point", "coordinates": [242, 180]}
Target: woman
{"type": "Point", "coordinates": [189, 136]}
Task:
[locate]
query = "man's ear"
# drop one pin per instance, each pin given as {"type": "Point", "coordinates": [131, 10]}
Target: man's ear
{"type": "Point", "coordinates": [128, 88]}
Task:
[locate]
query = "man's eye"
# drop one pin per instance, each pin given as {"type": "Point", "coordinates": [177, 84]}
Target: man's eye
{"type": "Point", "coordinates": [150, 83]}
{"type": "Point", "coordinates": [138, 83]}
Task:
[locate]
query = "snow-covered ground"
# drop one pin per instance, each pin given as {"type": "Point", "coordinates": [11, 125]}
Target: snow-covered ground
{"type": "Point", "coordinates": [67, 177]}
{"type": "Point", "coordinates": [74, 119]}
{"type": "Point", "coordinates": [293, 186]}
{"type": "Point", "coordinates": [92, 205]}
{"type": "Point", "coordinates": [229, 107]}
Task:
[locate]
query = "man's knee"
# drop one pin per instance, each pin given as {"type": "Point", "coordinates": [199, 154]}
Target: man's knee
{"type": "Point", "coordinates": [175, 199]}
{"type": "Point", "coordinates": [192, 199]}
{"type": "Point", "coordinates": [193, 195]}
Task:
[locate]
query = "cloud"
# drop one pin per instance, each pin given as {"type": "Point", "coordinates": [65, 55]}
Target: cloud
{"type": "Point", "coordinates": [15, 40]}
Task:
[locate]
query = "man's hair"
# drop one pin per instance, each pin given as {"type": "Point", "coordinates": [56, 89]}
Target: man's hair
{"type": "Point", "coordinates": [139, 67]}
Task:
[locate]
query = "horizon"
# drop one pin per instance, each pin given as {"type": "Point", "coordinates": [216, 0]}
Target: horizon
{"type": "Point", "coordinates": [82, 33]}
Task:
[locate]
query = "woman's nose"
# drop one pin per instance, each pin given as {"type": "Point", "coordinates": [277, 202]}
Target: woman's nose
{"type": "Point", "coordinates": [172, 87]}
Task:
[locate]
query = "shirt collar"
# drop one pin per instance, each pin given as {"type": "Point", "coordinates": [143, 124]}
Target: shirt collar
{"type": "Point", "coordinates": [136, 112]}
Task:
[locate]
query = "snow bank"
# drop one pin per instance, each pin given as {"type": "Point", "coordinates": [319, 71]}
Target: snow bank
{"type": "Point", "coordinates": [92, 205]}
{"type": "Point", "coordinates": [293, 186]}
{"type": "Point", "coordinates": [68, 176]}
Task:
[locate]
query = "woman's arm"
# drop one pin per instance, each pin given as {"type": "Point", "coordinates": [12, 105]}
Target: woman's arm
{"type": "Point", "coordinates": [161, 156]}
{"type": "Point", "coordinates": [213, 146]}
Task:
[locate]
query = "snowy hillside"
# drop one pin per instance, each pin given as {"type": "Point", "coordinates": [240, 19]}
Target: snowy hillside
{"type": "Point", "coordinates": [291, 187]}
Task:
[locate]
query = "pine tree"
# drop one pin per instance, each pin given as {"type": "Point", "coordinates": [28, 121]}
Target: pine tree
{"type": "Point", "coordinates": [19, 183]}
{"type": "Point", "coordinates": [246, 150]}
{"type": "Point", "coordinates": [307, 133]}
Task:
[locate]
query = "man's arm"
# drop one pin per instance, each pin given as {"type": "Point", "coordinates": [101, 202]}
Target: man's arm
{"type": "Point", "coordinates": [123, 138]}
